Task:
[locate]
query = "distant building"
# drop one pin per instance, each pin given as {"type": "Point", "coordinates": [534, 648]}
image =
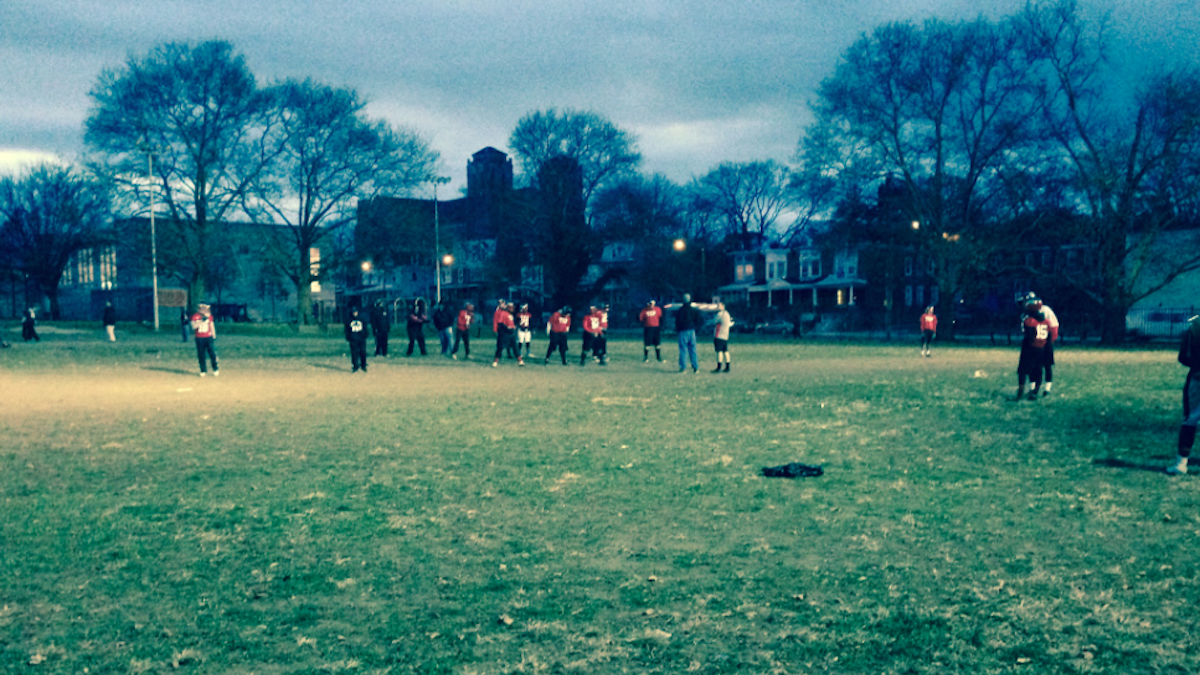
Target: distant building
{"type": "Point", "coordinates": [482, 230]}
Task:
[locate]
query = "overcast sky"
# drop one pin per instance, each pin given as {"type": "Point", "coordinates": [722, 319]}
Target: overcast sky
{"type": "Point", "coordinates": [697, 81]}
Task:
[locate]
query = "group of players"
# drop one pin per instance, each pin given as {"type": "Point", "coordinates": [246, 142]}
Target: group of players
{"type": "Point", "coordinates": [513, 327]}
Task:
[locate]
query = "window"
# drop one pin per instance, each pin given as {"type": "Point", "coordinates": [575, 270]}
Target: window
{"type": "Point", "coordinates": [810, 266]}
{"type": "Point", "coordinates": [1047, 260]}
{"type": "Point", "coordinates": [108, 267]}
{"type": "Point", "coordinates": [83, 267]}
{"type": "Point", "coordinates": [908, 266]}
{"type": "Point", "coordinates": [745, 272]}
{"type": "Point", "coordinates": [920, 295]}
{"type": "Point", "coordinates": [852, 264]}
{"type": "Point", "coordinates": [908, 296]}
{"type": "Point", "coordinates": [314, 268]}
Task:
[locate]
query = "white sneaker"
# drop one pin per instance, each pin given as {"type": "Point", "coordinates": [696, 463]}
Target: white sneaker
{"type": "Point", "coordinates": [494, 364]}
{"type": "Point", "coordinates": [1179, 468]}
{"type": "Point", "coordinates": [216, 373]}
{"type": "Point", "coordinates": [203, 374]}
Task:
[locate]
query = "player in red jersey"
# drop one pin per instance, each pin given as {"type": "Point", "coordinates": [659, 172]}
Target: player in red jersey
{"type": "Point", "coordinates": [1034, 304]}
{"type": "Point", "coordinates": [1033, 353]}
{"type": "Point", "coordinates": [462, 332]}
{"type": "Point", "coordinates": [651, 320]}
{"type": "Point", "coordinates": [557, 328]}
{"type": "Point", "coordinates": [591, 328]}
{"type": "Point", "coordinates": [928, 330]}
{"type": "Point", "coordinates": [205, 330]}
{"type": "Point", "coordinates": [505, 328]}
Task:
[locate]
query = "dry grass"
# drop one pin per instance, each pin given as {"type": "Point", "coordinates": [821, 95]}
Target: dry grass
{"type": "Point", "coordinates": [434, 516]}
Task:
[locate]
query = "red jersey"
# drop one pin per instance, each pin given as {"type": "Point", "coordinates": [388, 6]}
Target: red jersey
{"type": "Point", "coordinates": [603, 320]}
{"type": "Point", "coordinates": [203, 326]}
{"type": "Point", "coordinates": [560, 323]}
{"type": "Point", "coordinates": [1037, 331]}
{"type": "Point", "coordinates": [502, 318]}
{"type": "Point", "coordinates": [464, 319]}
{"type": "Point", "coordinates": [929, 322]}
{"type": "Point", "coordinates": [524, 320]}
{"type": "Point", "coordinates": [591, 324]}
{"type": "Point", "coordinates": [651, 316]}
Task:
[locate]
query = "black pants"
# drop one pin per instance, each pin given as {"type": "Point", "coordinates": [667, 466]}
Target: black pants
{"type": "Point", "coordinates": [463, 336]}
{"type": "Point", "coordinates": [504, 342]}
{"type": "Point", "coordinates": [558, 341]}
{"type": "Point", "coordinates": [358, 354]}
{"type": "Point", "coordinates": [381, 344]}
{"type": "Point", "coordinates": [204, 347]}
{"type": "Point", "coordinates": [416, 336]}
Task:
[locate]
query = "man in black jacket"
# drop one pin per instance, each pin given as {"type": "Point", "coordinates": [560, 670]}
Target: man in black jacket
{"type": "Point", "coordinates": [1189, 355]}
{"type": "Point", "coordinates": [356, 335]}
{"type": "Point", "coordinates": [381, 324]}
{"type": "Point", "coordinates": [687, 320]}
{"type": "Point", "coordinates": [443, 323]}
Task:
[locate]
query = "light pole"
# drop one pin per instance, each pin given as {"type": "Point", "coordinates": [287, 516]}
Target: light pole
{"type": "Point", "coordinates": [437, 238]}
{"type": "Point", "coordinates": [149, 150]}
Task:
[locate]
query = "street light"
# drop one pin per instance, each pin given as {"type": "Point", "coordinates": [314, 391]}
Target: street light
{"type": "Point", "coordinates": [437, 238]}
{"type": "Point", "coordinates": [149, 150]}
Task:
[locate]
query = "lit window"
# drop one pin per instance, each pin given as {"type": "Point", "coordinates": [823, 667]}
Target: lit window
{"type": "Point", "coordinates": [108, 267]}
{"type": "Point", "coordinates": [314, 269]}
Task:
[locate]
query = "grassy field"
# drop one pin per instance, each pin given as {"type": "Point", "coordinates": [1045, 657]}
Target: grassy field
{"type": "Point", "coordinates": [446, 517]}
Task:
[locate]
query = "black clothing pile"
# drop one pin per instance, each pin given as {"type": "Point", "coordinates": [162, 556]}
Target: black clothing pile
{"type": "Point", "coordinates": [793, 470]}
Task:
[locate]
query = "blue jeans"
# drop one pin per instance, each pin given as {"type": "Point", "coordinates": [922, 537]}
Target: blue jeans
{"type": "Point", "coordinates": [687, 346]}
{"type": "Point", "coordinates": [446, 338]}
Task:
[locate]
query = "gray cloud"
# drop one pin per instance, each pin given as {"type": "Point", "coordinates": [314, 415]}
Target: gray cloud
{"type": "Point", "coordinates": [699, 81]}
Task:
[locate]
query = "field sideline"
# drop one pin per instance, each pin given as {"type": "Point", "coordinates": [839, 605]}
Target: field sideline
{"type": "Point", "coordinates": [433, 516]}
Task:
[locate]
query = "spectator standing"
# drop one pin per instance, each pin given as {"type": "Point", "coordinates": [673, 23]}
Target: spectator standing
{"type": "Point", "coordinates": [928, 330]}
{"type": "Point", "coordinates": [443, 323]}
{"type": "Point", "coordinates": [462, 331]}
{"type": "Point", "coordinates": [381, 325]}
{"type": "Point", "coordinates": [29, 326]}
{"type": "Point", "coordinates": [184, 320]}
{"type": "Point", "coordinates": [651, 320]}
{"type": "Point", "coordinates": [687, 319]}
{"type": "Point", "coordinates": [205, 330]}
{"type": "Point", "coordinates": [417, 318]}
{"type": "Point", "coordinates": [110, 321]}
{"type": "Point", "coordinates": [558, 328]}
{"type": "Point", "coordinates": [1189, 355]}
{"type": "Point", "coordinates": [356, 335]}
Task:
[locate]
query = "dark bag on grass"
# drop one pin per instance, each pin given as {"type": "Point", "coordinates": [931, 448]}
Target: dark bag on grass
{"type": "Point", "coordinates": [793, 470]}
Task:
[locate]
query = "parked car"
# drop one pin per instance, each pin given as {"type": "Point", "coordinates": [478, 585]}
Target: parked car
{"type": "Point", "coordinates": [775, 327]}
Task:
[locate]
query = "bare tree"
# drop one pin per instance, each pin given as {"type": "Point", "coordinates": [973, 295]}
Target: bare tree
{"type": "Point", "coordinates": [329, 154]}
{"type": "Point", "coordinates": [47, 215]}
{"type": "Point", "coordinates": [944, 107]}
{"type": "Point", "coordinates": [604, 151]}
{"type": "Point", "coordinates": [1135, 157]}
{"type": "Point", "coordinates": [748, 196]}
{"type": "Point", "coordinates": [198, 110]}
